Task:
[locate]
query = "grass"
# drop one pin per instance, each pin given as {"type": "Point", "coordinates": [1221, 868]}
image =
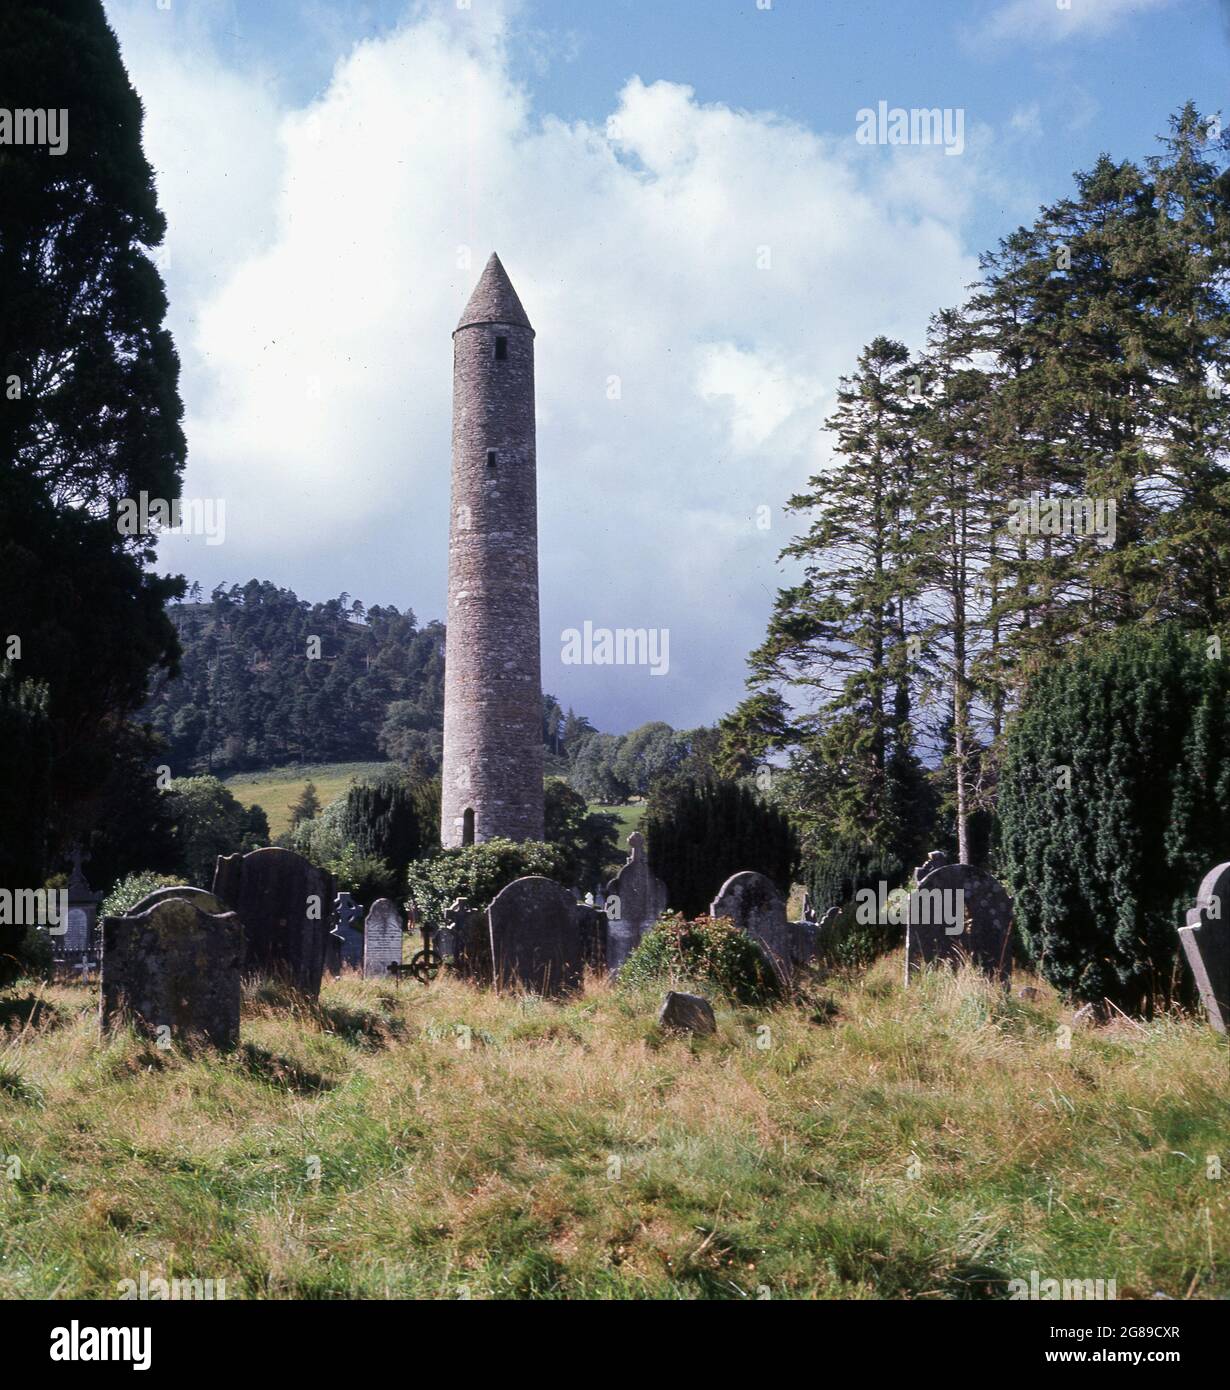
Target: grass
{"type": "Point", "coordinates": [861, 1142]}
{"type": "Point", "coordinates": [630, 818]}
{"type": "Point", "coordinates": [278, 788]}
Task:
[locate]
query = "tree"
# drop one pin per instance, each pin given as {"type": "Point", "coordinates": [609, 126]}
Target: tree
{"type": "Point", "coordinates": [90, 412]}
{"type": "Point", "coordinates": [588, 841]}
{"type": "Point", "coordinates": [1114, 802]}
{"type": "Point", "coordinates": [391, 820]}
{"type": "Point", "coordinates": [208, 821]}
{"type": "Point", "coordinates": [699, 833]}
{"type": "Point", "coordinates": [307, 807]}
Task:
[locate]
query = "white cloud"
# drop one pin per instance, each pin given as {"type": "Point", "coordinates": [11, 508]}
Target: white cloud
{"type": "Point", "coordinates": [1052, 21]}
{"type": "Point", "coordinates": [315, 282]}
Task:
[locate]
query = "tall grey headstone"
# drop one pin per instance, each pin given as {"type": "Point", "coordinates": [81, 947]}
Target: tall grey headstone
{"type": "Point", "coordinates": [754, 905]}
{"type": "Point", "coordinates": [535, 937]}
{"type": "Point", "coordinates": [283, 902]}
{"type": "Point", "coordinates": [1206, 944]}
{"type": "Point", "coordinates": [956, 912]}
{"type": "Point", "coordinates": [635, 899]}
{"type": "Point", "coordinates": [383, 931]}
{"type": "Point", "coordinates": [173, 967]}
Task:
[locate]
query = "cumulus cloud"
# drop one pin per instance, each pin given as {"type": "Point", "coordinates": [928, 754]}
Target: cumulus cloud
{"type": "Point", "coordinates": [698, 277]}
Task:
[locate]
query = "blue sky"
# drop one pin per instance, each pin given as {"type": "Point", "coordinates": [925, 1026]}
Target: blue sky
{"type": "Point", "coordinates": [675, 189]}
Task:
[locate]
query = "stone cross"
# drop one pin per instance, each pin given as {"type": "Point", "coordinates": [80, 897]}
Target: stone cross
{"type": "Point", "coordinates": [347, 935]}
{"type": "Point", "coordinates": [1206, 944]}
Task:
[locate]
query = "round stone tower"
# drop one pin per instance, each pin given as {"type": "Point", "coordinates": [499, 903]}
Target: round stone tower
{"type": "Point", "coordinates": [492, 779]}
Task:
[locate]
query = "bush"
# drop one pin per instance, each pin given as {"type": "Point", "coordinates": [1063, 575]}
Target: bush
{"type": "Point", "coordinates": [705, 953]}
{"type": "Point", "coordinates": [1103, 860]}
{"type": "Point", "coordinates": [129, 891]}
{"type": "Point", "coordinates": [477, 872]}
{"type": "Point", "coordinates": [209, 822]}
{"type": "Point", "coordinates": [853, 943]}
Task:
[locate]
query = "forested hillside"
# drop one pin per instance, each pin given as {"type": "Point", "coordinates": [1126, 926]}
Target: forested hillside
{"type": "Point", "coordinates": [267, 678]}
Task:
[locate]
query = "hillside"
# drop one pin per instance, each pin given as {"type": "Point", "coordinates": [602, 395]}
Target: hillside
{"type": "Point", "coordinates": [277, 789]}
{"type": "Point", "coordinates": [446, 1142]}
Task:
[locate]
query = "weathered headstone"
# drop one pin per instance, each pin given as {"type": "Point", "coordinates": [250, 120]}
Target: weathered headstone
{"type": "Point", "coordinates": [1206, 944]}
{"type": "Point", "coordinates": [464, 941]}
{"type": "Point", "coordinates": [383, 931]}
{"type": "Point", "coordinates": [207, 902]}
{"type": "Point", "coordinates": [958, 912]}
{"type": "Point", "coordinates": [283, 902]}
{"type": "Point", "coordinates": [78, 938]}
{"type": "Point", "coordinates": [535, 938]}
{"type": "Point", "coordinates": [175, 971]}
{"type": "Point", "coordinates": [754, 905]}
{"type": "Point", "coordinates": [635, 899]}
{"type": "Point", "coordinates": [346, 939]}
{"type": "Point", "coordinates": [691, 1013]}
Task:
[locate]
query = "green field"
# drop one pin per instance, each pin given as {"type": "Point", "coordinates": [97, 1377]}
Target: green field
{"type": "Point", "coordinates": [444, 1141]}
{"type": "Point", "coordinates": [630, 818]}
{"type": "Point", "coordinates": [278, 788]}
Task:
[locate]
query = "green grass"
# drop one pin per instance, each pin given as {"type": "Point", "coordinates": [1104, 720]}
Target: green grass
{"type": "Point", "coordinates": [447, 1142]}
{"type": "Point", "coordinates": [630, 817]}
{"type": "Point", "coordinates": [278, 788]}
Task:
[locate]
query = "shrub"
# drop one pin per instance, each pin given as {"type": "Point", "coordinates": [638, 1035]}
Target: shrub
{"type": "Point", "coordinates": [1102, 859]}
{"type": "Point", "coordinates": [477, 872]}
{"type": "Point", "coordinates": [698, 833]}
{"type": "Point", "coordinates": [854, 938]}
{"type": "Point", "coordinates": [705, 953]}
{"type": "Point", "coordinates": [129, 891]}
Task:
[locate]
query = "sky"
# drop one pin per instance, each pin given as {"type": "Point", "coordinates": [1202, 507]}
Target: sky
{"type": "Point", "coordinates": [678, 191]}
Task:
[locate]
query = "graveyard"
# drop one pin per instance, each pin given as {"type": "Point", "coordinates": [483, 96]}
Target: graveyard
{"type": "Point", "coordinates": [395, 1141]}
{"type": "Point", "coordinates": [781, 854]}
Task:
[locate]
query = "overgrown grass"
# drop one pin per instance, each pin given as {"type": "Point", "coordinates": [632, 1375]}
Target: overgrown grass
{"type": "Point", "coordinates": [862, 1141]}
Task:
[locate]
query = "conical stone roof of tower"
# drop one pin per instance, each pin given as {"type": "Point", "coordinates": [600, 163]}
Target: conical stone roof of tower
{"type": "Point", "coordinates": [494, 300]}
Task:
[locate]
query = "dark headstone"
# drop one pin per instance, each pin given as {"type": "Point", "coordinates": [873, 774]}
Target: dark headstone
{"type": "Point", "coordinates": [593, 931]}
{"type": "Point", "coordinates": [464, 941]}
{"type": "Point", "coordinates": [958, 912]}
{"type": "Point", "coordinates": [690, 1013]}
{"type": "Point", "coordinates": [174, 967]}
{"type": "Point", "coordinates": [383, 931]}
{"type": "Point", "coordinates": [535, 940]}
{"type": "Point", "coordinates": [804, 943]}
{"type": "Point", "coordinates": [283, 902]}
{"type": "Point", "coordinates": [754, 905]}
{"type": "Point", "coordinates": [1206, 944]}
{"type": "Point", "coordinates": [634, 900]}
{"type": "Point", "coordinates": [345, 943]}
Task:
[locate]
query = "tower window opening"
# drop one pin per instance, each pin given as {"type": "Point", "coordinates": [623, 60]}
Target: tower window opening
{"type": "Point", "coordinates": [501, 349]}
{"type": "Point", "coordinates": [490, 460]}
{"type": "Point", "coordinates": [467, 826]}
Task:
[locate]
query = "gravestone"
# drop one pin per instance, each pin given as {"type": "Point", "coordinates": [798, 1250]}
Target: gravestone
{"type": "Point", "coordinates": [346, 939]}
{"type": "Point", "coordinates": [535, 939]}
{"type": "Point", "coordinates": [635, 899]}
{"type": "Point", "coordinates": [957, 912]}
{"type": "Point", "coordinates": [690, 1013]}
{"type": "Point", "coordinates": [1206, 944]}
{"type": "Point", "coordinates": [207, 902]}
{"type": "Point", "coordinates": [173, 967]}
{"type": "Point", "coordinates": [464, 941]}
{"type": "Point", "coordinates": [79, 937]}
{"type": "Point", "coordinates": [754, 905]}
{"type": "Point", "coordinates": [282, 901]}
{"type": "Point", "coordinates": [382, 940]}
{"type": "Point", "coordinates": [593, 932]}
